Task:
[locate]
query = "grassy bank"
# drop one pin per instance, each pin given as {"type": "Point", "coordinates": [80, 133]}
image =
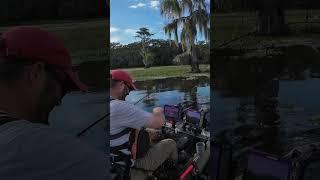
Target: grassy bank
{"type": "Point", "coordinates": [166, 71]}
{"type": "Point", "coordinates": [85, 39]}
{"type": "Point", "coordinates": [232, 25]}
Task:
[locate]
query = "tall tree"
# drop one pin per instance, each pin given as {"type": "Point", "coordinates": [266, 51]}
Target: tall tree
{"type": "Point", "coordinates": [145, 37]}
{"type": "Point", "coordinates": [192, 17]}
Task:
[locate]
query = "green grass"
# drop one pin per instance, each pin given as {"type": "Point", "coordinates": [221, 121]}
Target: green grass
{"type": "Point", "coordinates": [232, 25]}
{"type": "Point", "coordinates": [86, 42]}
{"type": "Point", "coordinates": [166, 71]}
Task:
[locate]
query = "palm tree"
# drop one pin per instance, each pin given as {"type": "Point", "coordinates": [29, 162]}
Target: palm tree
{"type": "Point", "coordinates": [192, 17]}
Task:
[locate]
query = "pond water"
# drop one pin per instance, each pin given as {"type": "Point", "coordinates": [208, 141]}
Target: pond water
{"type": "Point", "coordinates": [171, 91]}
{"type": "Point", "coordinates": [274, 104]}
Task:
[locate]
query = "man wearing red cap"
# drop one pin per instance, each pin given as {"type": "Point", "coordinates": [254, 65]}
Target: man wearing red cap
{"type": "Point", "coordinates": [125, 116]}
{"type": "Point", "coordinates": [35, 74]}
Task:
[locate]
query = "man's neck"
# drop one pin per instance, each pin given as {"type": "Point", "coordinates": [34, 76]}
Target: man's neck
{"type": "Point", "coordinates": [114, 95]}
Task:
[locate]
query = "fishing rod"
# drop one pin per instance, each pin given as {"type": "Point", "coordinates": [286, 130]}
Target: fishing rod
{"type": "Point", "coordinates": [93, 124]}
{"type": "Point", "coordinates": [103, 117]}
{"type": "Point", "coordinates": [108, 114]}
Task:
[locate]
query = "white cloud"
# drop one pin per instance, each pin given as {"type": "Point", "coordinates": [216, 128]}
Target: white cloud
{"type": "Point", "coordinates": [141, 4]}
{"type": "Point", "coordinates": [114, 39]}
{"type": "Point", "coordinates": [154, 4]}
{"type": "Point", "coordinates": [137, 5]}
{"type": "Point", "coordinates": [130, 31]}
{"type": "Point", "coordinates": [133, 6]}
{"type": "Point", "coordinates": [113, 29]}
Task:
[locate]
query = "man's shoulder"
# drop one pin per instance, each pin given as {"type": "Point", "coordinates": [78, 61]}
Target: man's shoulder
{"type": "Point", "coordinates": [11, 131]}
{"type": "Point", "coordinates": [46, 149]}
{"type": "Point", "coordinates": [39, 136]}
{"type": "Point", "coordinates": [22, 128]}
{"type": "Point", "coordinates": [61, 140]}
{"type": "Point", "coordinates": [120, 104]}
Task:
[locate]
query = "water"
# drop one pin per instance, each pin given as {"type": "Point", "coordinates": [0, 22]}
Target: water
{"type": "Point", "coordinates": [273, 102]}
{"type": "Point", "coordinates": [171, 91]}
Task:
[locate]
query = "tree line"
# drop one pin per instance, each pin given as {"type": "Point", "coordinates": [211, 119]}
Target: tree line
{"type": "Point", "coordinates": [163, 53]}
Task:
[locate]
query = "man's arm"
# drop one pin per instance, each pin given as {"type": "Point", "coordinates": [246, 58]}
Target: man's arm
{"type": "Point", "coordinates": [128, 115]}
{"type": "Point", "coordinates": [157, 119]}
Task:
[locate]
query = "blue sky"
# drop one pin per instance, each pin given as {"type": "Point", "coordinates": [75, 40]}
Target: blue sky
{"type": "Point", "coordinates": [127, 16]}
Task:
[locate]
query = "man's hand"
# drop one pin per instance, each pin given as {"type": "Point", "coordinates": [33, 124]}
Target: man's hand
{"type": "Point", "coordinates": [157, 110]}
{"type": "Point", "coordinates": [158, 119]}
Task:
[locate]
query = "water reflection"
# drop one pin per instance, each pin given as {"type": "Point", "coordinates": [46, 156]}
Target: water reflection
{"type": "Point", "coordinates": [266, 101]}
{"type": "Point", "coordinates": [171, 91]}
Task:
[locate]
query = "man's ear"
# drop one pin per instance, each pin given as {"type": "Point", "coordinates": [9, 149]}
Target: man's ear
{"type": "Point", "coordinates": [36, 72]}
{"type": "Point", "coordinates": [120, 85]}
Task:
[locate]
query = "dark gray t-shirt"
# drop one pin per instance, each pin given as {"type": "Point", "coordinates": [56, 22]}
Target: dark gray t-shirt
{"type": "Point", "coordinates": [125, 115]}
{"type": "Point", "coordinates": [32, 151]}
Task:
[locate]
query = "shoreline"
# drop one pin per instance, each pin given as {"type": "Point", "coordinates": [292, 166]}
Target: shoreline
{"type": "Point", "coordinates": [158, 72]}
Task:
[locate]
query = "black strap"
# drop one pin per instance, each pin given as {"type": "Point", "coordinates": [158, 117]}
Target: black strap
{"type": "Point", "coordinates": [116, 159]}
{"type": "Point", "coordinates": [123, 132]}
{"type": "Point", "coordinates": [120, 147]}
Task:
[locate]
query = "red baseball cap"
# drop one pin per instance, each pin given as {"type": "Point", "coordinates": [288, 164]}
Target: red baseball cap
{"type": "Point", "coordinates": [33, 43]}
{"type": "Point", "coordinates": [122, 75]}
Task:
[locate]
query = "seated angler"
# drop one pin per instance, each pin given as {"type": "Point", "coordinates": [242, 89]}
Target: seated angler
{"type": "Point", "coordinates": [125, 118]}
